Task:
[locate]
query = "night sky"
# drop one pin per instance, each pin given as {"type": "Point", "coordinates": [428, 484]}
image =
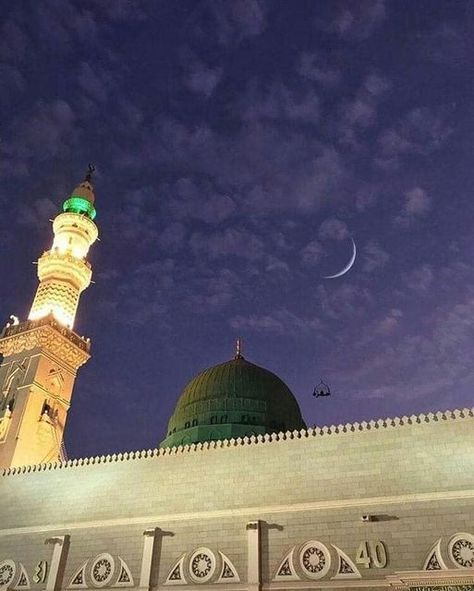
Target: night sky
{"type": "Point", "coordinates": [239, 146]}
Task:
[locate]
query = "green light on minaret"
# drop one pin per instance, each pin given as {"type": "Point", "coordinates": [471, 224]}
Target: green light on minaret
{"type": "Point", "coordinates": [80, 205]}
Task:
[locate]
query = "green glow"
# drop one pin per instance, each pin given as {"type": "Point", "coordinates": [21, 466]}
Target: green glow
{"type": "Point", "coordinates": [80, 205]}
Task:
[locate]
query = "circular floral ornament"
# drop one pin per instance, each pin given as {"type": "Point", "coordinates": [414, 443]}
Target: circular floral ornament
{"type": "Point", "coordinates": [202, 565]}
{"type": "Point", "coordinates": [315, 560]}
{"type": "Point", "coordinates": [461, 550]}
{"type": "Point", "coordinates": [102, 570]}
{"type": "Point", "coordinates": [7, 572]}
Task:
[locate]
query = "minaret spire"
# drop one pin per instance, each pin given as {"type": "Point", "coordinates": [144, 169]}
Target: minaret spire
{"type": "Point", "coordinates": [41, 356]}
{"type": "Point", "coordinates": [64, 271]}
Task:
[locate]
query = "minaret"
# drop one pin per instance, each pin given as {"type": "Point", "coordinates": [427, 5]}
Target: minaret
{"type": "Point", "coordinates": [42, 355]}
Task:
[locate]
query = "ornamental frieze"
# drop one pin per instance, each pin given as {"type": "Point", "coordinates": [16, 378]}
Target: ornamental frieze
{"type": "Point", "coordinates": [54, 340]}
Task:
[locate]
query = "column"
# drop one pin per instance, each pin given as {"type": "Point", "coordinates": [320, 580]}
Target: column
{"type": "Point", "coordinates": [254, 575]}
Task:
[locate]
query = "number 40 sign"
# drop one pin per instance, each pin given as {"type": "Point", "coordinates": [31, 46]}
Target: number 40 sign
{"type": "Point", "coordinates": [372, 554]}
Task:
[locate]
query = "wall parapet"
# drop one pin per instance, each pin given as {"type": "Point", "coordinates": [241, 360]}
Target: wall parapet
{"type": "Point", "coordinates": [267, 439]}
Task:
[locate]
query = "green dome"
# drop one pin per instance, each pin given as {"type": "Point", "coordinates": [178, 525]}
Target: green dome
{"type": "Point", "coordinates": [232, 399]}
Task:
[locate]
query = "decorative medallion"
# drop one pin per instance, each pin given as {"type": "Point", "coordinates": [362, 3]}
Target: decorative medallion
{"type": "Point", "coordinates": [461, 550]}
{"type": "Point", "coordinates": [228, 571]}
{"type": "Point", "coordinates": [7, 572]}
{"type": "Point", "coordinates": [176, 574]}
{"type": "Point", "coordinates": [125, 577]}
{"type": "Point", "coordinates": [202, 565]}
{"type": "Point", "coordinates": [346, 569]}
{"type": "Point", "coordinates": [286, 569]}
{"type": "Point", "coordinates": [102, 570]}
{"type": "Point", "coordinates": [315, 560]}
{"type": "Point", "coordinates": [434, 560]}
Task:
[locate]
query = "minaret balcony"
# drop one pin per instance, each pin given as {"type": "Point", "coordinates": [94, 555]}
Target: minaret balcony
{"type": "Point", "coordinates": [63, 266]}
{"type": "Point", "coordinates": [46, 333]}
{"type": "Point", "coordinates": [75, 223]}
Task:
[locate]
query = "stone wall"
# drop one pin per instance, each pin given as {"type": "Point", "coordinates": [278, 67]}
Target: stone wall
{"type": "Point", "coordinates": [414, 476]}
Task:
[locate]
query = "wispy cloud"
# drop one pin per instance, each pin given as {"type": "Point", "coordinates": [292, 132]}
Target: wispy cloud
{"type": "Point", "coordinates": [237, 242]}
{"type": "Point", "coordinates": [374, 257]}
{"type": "Point", "coordinates": [345, 301]}
{"type": "Point", "coordinates": [201, 78]}
{"type": "Point", "coordinates": [354, 21]}
{"type": "Point", "coordinates": [48, 129]}
{"type": "Point", "coordinates": [422, 131]}
{"type": "Point", "coordinates": [188, 199]}
{"type": "Point", "coordinates": [359, 113]}
{"type": "Point", "coordinates": [281, 322]}
{"type": "Point", "coordinates": [333, 229]}
{"type": "Point", "coordinates": [312, 253]}
{"type": "Point", "coordinates": [281, 102]}
{"type": "Point", "coordinates": [234, 21]}
{"type": "Point", "coordinates": [417, 203]}
{"type": "Point", "coordinates": [318, 69]}
{"type": "Point", "coordinates": [419, 279]}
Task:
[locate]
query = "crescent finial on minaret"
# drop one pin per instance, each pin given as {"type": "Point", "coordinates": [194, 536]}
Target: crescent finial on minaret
{"type": "Point", "coordinates": [90, 172]}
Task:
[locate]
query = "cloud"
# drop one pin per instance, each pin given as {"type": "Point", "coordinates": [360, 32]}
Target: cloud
{"type": "Point", "coordinates": [201, 78]}
{"type": "Point", "coordinates": [431, 361]}
{"type": "Point", "coordinates": [345, 301]}
{"type": "Point", "coordinates": [171, 238]}
{"type": "Point", "coordinates": [420, 132]}
{"type": "Point", "coordinates": [314, 67]}
{"type": "Point", "coordinates": [417, 204]}
{"type": "Point", "coordinates": [446, 44]}
{"type": "Point", "coordinates": [389, 323]}
{"type": "Point", "coordinates": [419, 279]}
{"type": "Point", "coordinates": [374, 257]}
{"type": "Point", "coordinates": [187, 199]}
{"type": "Point", "coordinates": [275, 265]}
{"type": "Point", "coordinates": [47, 130]}
{"type": "Point", "coordinates": [312, 253]}
{"type": "Point", "coordinates": [237, 242]}
{"type": "Point", "coordinates": [237, 20]}
{"type": "Point", "coordinates": [281, 322]}
{"type": "Point", "coordinates": [358, 114]}
{"type": "Point", "coordinates": [366, 196]}
{"type": "Point", "coordinates": [353, 20]}
{"type": "Point", "coordinates": [166, 290]}
{"type": "Point", "coordinates": [214, 291]}
{"type": "Point", "coordinates": [280, 102]}
{"type": "Point", "coordinates": [143, 297]}
{"type": "Point", "coordinates": [132, 223]}
{"type": "Point", "coordinates": [333, 229]}
{"type": "Point", "coordinates": [38, 213]}
{"type": "Point", "coordinates": [123, 10]}
{"type": "Point", "coordinates": [263, 166]}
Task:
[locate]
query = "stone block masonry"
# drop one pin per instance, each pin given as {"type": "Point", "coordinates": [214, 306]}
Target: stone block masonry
{"type": "Point", "coordinates": [393, 487]}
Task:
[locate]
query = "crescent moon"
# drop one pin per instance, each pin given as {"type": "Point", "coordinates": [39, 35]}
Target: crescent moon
{"type": "Point", "coordinates": [348, 266]}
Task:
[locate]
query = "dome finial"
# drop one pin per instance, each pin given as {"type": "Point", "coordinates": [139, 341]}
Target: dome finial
{"type": "Point", "coordinates": [238, 349]}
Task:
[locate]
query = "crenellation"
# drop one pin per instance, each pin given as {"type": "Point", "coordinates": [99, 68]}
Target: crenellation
{"type": "Point", "coordinates": [269, 439]}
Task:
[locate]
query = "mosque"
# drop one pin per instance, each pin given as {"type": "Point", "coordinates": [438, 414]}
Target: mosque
{"type": "Point", "coordinates": [239, 496]}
